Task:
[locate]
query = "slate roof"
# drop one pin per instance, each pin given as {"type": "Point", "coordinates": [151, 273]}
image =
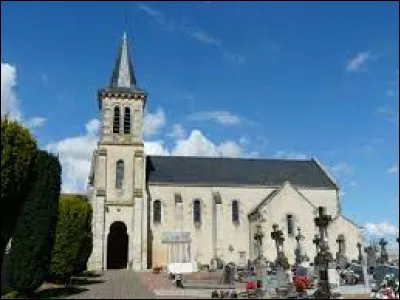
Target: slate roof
{"type": "Point", "coordinates": [236, 171]}
{"type": "Point", "coordinates": [123, 75]}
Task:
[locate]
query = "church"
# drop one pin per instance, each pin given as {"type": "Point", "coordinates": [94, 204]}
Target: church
{"type": "Point", "coordinates": [149, 211]}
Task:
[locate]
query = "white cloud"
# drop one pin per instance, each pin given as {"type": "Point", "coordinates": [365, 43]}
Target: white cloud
{"type": "Point", "coordinates": [155, 148]}
{"type": "Point", "coordinates": [10, 104]}
{"type": "Point", "coordinates": [9, 99]}
{"type": "Point", "coordinates": [197, 33]}
{"type": "Point", "coordinates": [244, 141]}
{"type": "Point", "coordinates": [199, 145]}
{"type": "Point", "coordinates": [222, 117]}
{"type": "Point", "coordinates": [342, 168]}
{"type": "Point", "coordinates": [353, 183]}
{"type": "Point", "coordinates": [394, 169]}
{"type": "Point", "coordinates": [203, 36]}
{"type": "Point", "coordinates": [291, 155]}
{"type": "Point", "coordinates": [35, 122]}
{"type": "Point", "coordinates": [75, 155]}
{"type": "Point", "coordinates": [389, 113]}
{"type": "Point", "coordinates": [381, 229]}
{"type": "Point", "coordinates": [177, 132]}
{"type": "Point", "coordinates": [153, 122]}
{"type": "Point", "coordinates": [358, 62]}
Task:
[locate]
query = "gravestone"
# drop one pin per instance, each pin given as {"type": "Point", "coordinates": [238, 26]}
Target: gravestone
{"type": "Point", "coordinates": [213, 265]}
{"type": "Point", "coordinates": [360, 257]}
{"type": "Point", "coordinates": [384, 257]}
{"type": "Point", "coordinates": [371, 252]}
{"type": "Point", "coordinates": [228, 275]}
{"type": "Point", "coordinates": [341, 259]}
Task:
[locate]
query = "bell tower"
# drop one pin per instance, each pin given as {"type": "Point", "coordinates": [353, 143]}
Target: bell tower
{"type": "Point", "coordinates": [117, 171]}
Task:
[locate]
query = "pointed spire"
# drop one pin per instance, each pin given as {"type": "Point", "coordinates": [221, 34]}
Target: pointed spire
{"type": "Point", "coordinates": [123, 75]}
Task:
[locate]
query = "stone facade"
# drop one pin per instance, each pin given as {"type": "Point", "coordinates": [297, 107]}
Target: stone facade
{"type": "Point", "coordinates": [154, 242]}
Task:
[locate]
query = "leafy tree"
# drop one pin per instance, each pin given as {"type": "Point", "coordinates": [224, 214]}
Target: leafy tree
{"type": "Point", "coordinates": [72, 245]}
{"type": "Point", "coordinates": [33, 238]}
{"type": "Point", "coordinates": [18, 150]}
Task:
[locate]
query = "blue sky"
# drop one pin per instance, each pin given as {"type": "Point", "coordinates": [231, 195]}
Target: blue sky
{"type": "Point", "coordinates": [268, 79]}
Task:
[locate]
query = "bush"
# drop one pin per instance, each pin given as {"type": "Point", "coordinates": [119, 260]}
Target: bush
{"type": "Point", "coordinates": [33, 239]}
{"type": "Point", "coordinates": [72, 246]}
{"type": "Point", "coordinates": [18, 150]}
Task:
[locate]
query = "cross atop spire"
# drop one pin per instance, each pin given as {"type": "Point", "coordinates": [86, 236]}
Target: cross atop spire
{"type": "Point", "coordinates": [123, 75]}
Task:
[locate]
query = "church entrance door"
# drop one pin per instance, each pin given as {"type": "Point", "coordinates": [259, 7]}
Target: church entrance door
{"type": "Point", "coordinates": [117, 246]}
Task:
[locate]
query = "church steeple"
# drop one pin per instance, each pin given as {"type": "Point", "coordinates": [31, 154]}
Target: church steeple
{"type": "Point", "coordinates": [123, 75]}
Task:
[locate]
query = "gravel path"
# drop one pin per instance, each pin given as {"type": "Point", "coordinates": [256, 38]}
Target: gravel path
{"type": "Point", "coordinates": [115, 284]}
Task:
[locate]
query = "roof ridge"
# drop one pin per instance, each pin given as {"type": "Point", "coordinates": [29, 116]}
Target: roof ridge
{"type": "Point", "coordinates": [232, 158]}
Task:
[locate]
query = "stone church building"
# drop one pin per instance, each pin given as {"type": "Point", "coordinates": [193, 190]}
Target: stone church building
{"type": "Point", "coordinates": [153, 210]}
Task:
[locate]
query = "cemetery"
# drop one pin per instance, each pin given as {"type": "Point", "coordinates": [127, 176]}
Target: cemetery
{"type": "Point", "coordinates": [321, 277]}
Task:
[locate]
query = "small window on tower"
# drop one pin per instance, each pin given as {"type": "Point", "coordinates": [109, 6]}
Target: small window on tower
{"type": "Point", "coordinates": [289, 221]}
{"type": "Point", "coordinates": [116, 120]}
{"type": "Point", "coordinates": [197, 211]}
{"type": "Point", "coordinates": [127, 120]}
{"type": "Point", "coordinates": [157, 212]}
{"type": "Point", "coordinates": [119, 174]}
{"type": "Point", "coordinates": [235, 211]}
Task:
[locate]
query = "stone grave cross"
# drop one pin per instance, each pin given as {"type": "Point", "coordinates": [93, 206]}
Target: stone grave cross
{"type": "Point", "coordinates": [258, 237]}
{"type": "Point", "coordinates": [300, 257]}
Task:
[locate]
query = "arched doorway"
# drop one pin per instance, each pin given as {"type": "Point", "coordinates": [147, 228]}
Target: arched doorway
{"type": "Point", "coordinates": [117, 246]}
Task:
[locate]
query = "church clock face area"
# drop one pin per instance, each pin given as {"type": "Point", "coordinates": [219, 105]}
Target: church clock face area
{"type": "Point", "coordinates": [152, 211]}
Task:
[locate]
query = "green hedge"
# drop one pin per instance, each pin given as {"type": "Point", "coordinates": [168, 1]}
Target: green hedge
{"type": "Point", "coordinates": [72, 246]}
{"type": "Point", "coordinates": [33, 239]}
{"type": "Point", "coordinates": [18, 150]}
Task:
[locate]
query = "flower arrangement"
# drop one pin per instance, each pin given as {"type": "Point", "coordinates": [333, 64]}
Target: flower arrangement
{"type": "Point", "coordinates": [388, 289]}
{"type": "Point", "coordinates": [301, 284]}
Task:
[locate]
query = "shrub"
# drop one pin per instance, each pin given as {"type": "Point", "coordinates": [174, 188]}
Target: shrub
{"type": "Point", "coordinates": [70, 250]}
{"type": "Point", "coordinates": [33, 239]}
{"type": "Point", "coordinates": [18, 150]}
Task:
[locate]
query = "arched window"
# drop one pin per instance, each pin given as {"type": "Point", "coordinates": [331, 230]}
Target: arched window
{"type": "Point", "coordinates": [157, 211]}
{"type": "Point", "coordinates": [116, 120]}
{"type": "Point", "coordinates": [196, 211]}
{"type": "Point", "coordinates": [119, 174]}
{"type": "Point", "coordinates": [289, 221]}
{"type": "Point", "coordinates": [127, 120]}
{"type": "Point", "coordinates": [235, 211]}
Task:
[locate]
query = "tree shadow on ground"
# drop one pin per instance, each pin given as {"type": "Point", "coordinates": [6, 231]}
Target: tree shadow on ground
{"type": "Point", "coordinates": [59, 292]}
{"type": "Point", "coordinates": [89, 274]}
{"type": "Point", "coordinates": [84, 281]}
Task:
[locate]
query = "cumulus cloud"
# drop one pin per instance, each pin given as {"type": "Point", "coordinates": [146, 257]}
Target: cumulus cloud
{"type": "Point", "coordinates": [221, 117]}
{"type": "Point", "coordinates": [381, 229]}
{"type": "Point", "coordinates": [9, 99]}
{"type": "Point", "coordinates": [177, 132]}
{"type": "Point", "coordinates": [393, 169]}
{"type": "Point", "coordinates": [10, 104]}
{"type": "Point", "coordinates": [153, 122]}
{"type": "Point", "coordinates": [358, 62]}
{"type": "Point", "coordinates": [75, 155]}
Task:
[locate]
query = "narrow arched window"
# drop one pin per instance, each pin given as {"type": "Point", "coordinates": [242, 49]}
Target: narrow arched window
{"type": "Point", "coordinates": [157, 211]}
{"type": "Point", "coordinates": [196, 211]}
{"type": "Point", "coordinates": [116, 120]}
{"type": "Point", "coordinates": [289, 221]}
{"type": "Point", "coordinates": [119, 174]}
{"type": "Point", "coordinates": [235, 211]}
{"type": "Point", "coordinates": [127, 120]}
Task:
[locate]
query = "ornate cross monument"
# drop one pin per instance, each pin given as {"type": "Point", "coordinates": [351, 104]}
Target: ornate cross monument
{"type": "Point", "coordinates": [341, 259]}
{"type": "Point", "coordinates": [324, 257]}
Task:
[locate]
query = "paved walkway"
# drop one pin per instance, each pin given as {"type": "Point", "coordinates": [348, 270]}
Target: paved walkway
{"type": "Point", "coordinates": [114, 284]}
